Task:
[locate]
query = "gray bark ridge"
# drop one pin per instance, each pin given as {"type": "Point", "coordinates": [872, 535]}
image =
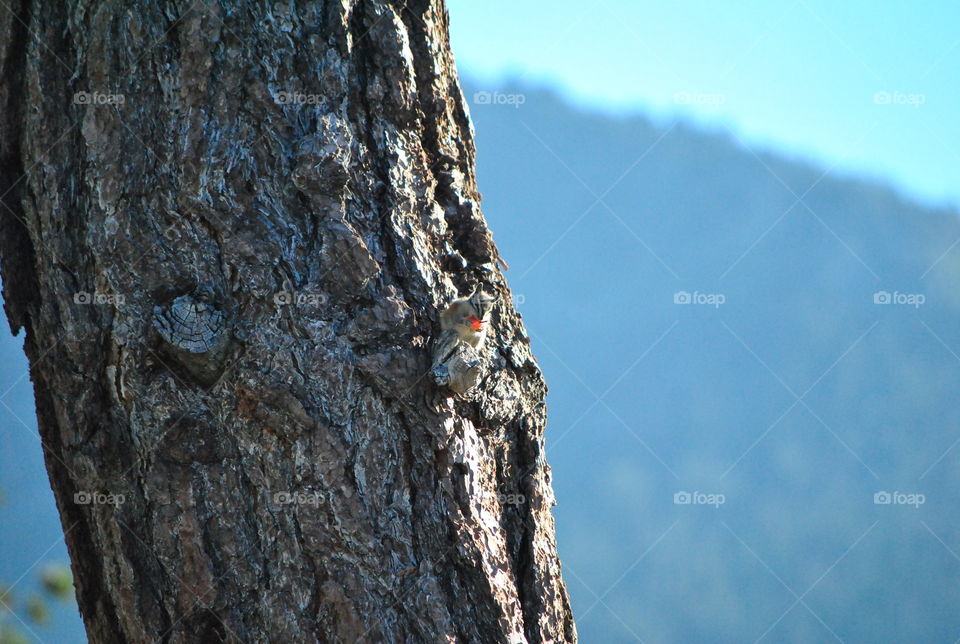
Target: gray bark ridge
{"type": "Point", "coordinates": [227, 229]}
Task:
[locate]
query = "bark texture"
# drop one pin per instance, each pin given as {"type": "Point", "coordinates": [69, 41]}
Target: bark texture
{"type": "Point", "coordinates": [227, 229]}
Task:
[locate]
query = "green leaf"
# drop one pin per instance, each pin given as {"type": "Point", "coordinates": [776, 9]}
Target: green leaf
{"type": "Point", "coordinates": [38, 611]}
{"type": "Point", "coordinates": [57, 580]}
{"type": "Point", "coordinates": [6, 599]}
{"type": "Point", "coordinates": [11, 635]}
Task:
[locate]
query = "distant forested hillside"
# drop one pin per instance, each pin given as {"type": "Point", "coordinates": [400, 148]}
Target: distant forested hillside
{"type": "Point", "coordinates": [704, 397]}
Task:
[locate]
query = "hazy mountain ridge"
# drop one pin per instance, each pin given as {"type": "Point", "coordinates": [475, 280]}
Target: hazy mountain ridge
{"type": "Point", "coordinates": [799, 293]}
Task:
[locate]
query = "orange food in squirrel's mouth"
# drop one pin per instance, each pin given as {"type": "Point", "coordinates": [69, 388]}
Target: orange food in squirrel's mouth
{"type": "Point", "coordinates": [476, 323]}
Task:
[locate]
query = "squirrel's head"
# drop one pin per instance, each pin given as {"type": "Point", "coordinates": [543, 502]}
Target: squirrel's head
{"type": "Point", "coordinates": [482, 303]}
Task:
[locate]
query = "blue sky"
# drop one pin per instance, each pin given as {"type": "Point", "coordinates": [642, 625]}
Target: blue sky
{"type": "Point", "coordinates": [862, 87]}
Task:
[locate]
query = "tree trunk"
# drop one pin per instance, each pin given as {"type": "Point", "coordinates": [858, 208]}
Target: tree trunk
{"type": "Point", "coordinates": [228, 230]}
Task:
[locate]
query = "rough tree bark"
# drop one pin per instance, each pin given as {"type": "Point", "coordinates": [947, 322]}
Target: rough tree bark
{"type": "Point", "coordinates": [227, 229]}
